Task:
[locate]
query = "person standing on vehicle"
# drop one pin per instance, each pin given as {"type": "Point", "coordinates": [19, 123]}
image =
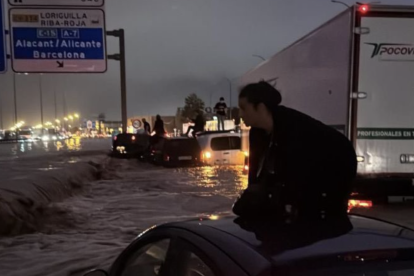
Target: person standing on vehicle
{"type": "Point", "coordinates": [300, 169]}
{"type": "Point", "coordinates": [220, 110]}
{"type": "Point", "coordinates": [147, 126]}
{"type": "Point", "coordinates": [159, 127]}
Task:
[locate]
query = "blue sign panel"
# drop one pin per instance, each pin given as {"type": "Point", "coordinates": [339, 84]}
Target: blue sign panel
{"type": "Point", "coordinates": [50, 40]}
{"type": "Point", "coordinates": [40, 43]}
{"type": "Point", "coordinates": [3, 52]}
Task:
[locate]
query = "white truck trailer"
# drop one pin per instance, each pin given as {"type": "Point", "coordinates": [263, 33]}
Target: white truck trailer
{"type": "Point", "coordinates": [356, 73]}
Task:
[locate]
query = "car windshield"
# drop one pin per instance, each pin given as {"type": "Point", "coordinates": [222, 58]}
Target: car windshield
{"type": "Point", "coordinates": [124, 138]}
{"type": "Point", "coordinates": [25, 132]}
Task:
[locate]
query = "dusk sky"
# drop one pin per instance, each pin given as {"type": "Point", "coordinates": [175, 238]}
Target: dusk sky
{"type": "Point", "coordinates": [174, 48]}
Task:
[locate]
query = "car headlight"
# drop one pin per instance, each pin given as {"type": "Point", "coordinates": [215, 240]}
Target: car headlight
{"type": "Point", "coordinates": [45, 138]}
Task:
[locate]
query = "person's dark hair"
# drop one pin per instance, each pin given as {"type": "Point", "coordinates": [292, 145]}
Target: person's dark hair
{"type": "Point", "coordinates": [143, 119]}
{"type": "Point", "coordinates": [221, 99]}
{"type": "Point", "coordinates": [158, 117]}
{"type": "Point", "coordinates": [261, 92]}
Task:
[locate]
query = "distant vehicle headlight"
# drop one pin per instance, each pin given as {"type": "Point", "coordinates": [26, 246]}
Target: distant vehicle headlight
{"type": "Point", "coordinates": [45, 138]}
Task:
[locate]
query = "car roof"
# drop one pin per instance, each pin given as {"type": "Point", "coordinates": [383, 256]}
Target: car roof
{"type": "Point", "coordinates": [179, 139]}
{"type": "Point", "coordinates": [214, 134]}
{"type": "Point", "coordinates": [284, 244]}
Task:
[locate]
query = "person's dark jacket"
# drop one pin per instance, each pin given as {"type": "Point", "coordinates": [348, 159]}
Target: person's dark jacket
{"type": "Point", "coordinates": [159, 128]}
{"type": "Point", "coordinates": [314, 163]}
{"type": "Point", "coordinates": [147, 127]}
{"type": "Point", "coordinates": [199, 123]}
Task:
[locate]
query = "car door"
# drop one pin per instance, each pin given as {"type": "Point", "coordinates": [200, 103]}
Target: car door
{"type": "Point", "coordinates": [196, 256]}
{"type": "Point", "coordinates": [221, 153]}
{"type": "Point", "coordinates": [147, 259]}
{"type": "Point", "coordinates": [173, 252]}
{"type": "Point", "coordinates": [146, 256]}
{"type": "Point", "coordinates": [237, 155]}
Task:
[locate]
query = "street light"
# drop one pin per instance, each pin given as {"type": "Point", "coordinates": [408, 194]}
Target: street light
{"type": "Point", "coordinates": [41, 98]}
{"type": "Point", "coordinates": [15, 97]}
{"type": "Point", "coordinates": [70, 117]}
{"type": "Point", "coordinates": [230, 90]}
{"type": "Point", "coordinates": [76, 115]}
{"type": "Point", "coordinates": [57, 121]}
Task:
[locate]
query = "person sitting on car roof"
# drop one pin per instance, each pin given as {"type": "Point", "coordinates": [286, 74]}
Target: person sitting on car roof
{"type": "Point", "coordinates": [299, 167]}
{"type": "Point", "coordinates": [199, 123]}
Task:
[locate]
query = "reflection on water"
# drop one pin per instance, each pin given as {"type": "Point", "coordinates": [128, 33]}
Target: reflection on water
{"type": "Point", "coordinates": [73, 144]}
{"type": "Point", "coordinates": [49, 168]}
{"type": "Point", "coordinates": [227, 179]}
{"type": "Point", "coordinates": [22, 148]}
{"type": "Point", "coordinates": [59, 145]}
{"type": "Point", "coordinates": [46, 146]}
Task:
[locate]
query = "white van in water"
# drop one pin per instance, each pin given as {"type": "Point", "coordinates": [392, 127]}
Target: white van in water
{"type": "Point", "coordinates": [221, 148]}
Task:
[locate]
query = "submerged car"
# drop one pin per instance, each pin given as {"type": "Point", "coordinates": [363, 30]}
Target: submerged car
{"type": "Point", "coordinates": [221, 148]}
{"type": "Point", "coordinates": [351, 246]}
{"type": "Point", "coordinates": [177, 151]}
{"type": "Point", "coordinates": [129, 145]}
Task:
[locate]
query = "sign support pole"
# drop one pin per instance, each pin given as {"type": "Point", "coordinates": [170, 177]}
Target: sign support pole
{"type": "Point", "coordinates": [15, 98]}
{"type": "Point", "coordinates": [121, 58]}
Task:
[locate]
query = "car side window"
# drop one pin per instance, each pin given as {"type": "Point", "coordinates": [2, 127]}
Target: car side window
{"type": "Point", "coordinates": [235, 143]}
{"type": "Point", "coordinates": [197, 267]}
{"type": "Point", "coordinates": [191, 261]}
{"type": "Point", "coordinates": [147, 260]}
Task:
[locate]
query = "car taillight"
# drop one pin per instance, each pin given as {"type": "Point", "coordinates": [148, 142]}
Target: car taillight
{"type": "Point", "coordinates": [357, 203]}
{"type": "Point", "coordinates": [166, 158]}
{"type": "Point", "coordinates": [115, 138]}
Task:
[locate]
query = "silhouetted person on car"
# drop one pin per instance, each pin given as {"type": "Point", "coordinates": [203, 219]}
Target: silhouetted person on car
{"type": "Point", "coordinates": [199, 123]}
{"type": "Point", "coordinates": [300, 169]}
{"type": "Point", "coordinates": [147, 126]}
{"type": "Point", "coordinates": [159, 127]}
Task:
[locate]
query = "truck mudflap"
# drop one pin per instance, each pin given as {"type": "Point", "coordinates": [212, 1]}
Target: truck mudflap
{"type": "Point", "coordinates": [383, 187]}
